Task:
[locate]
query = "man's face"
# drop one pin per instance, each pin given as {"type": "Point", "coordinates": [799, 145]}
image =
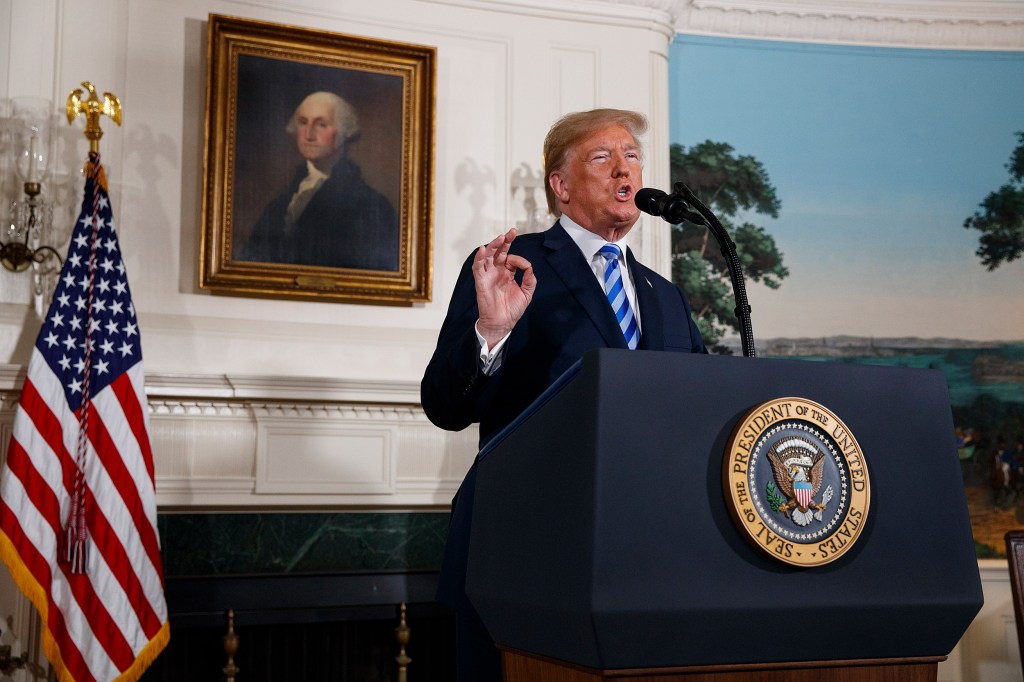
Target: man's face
{"type": "Point", "coordinates": [600, 178]}
{"type": "Point", "coordinates": [316, 132]}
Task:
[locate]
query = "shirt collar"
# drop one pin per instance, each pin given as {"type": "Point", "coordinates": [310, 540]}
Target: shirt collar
{"type": "Point", "coordinates": [588, 242]}
{"type": "Point", "coordinates": [314, 173]}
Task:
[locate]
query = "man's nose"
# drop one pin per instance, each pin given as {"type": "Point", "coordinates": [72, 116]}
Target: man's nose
{"type": "Point", "coordinates": [620, 164]}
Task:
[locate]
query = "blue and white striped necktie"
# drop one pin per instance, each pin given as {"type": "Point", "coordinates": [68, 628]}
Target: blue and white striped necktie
{"type": "Point", "coordinates": [617, 295]}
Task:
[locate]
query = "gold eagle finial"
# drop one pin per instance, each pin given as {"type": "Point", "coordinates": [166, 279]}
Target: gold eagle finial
{"type": "Point", "coordinates": [93, 108]}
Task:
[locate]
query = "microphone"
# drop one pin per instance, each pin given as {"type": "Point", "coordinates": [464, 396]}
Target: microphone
{"type": "Point", "coordinates": [684, 206]}
{"type": "Point", "coordinates": [673, 208]}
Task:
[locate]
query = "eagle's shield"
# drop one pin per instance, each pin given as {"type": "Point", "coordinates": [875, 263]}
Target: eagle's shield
{"type": "Point", "coordinates": [803, 490]}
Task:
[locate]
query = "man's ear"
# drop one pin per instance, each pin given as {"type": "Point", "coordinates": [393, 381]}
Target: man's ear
{"type": "Point", "coordinates": [558, 185]}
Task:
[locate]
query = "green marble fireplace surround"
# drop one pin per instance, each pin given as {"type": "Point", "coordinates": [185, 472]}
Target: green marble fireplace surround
{"type": "Point", "coordinates": [274, 543]}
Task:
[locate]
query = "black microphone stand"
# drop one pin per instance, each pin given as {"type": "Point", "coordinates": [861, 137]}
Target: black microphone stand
{"type": "Point", "coordinates": [732, 261]}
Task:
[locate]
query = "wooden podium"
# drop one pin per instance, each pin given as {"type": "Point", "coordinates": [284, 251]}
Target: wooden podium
{"type": "Point", "coordinates": [602, 547]}
{"type": "Point", "coordinates": [518, 666]}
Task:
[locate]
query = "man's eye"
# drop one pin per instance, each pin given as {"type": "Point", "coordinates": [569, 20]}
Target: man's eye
{"type": "Point", "coordinates": [599, 158]}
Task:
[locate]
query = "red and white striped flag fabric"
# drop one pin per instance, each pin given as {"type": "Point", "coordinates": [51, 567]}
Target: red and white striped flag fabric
{"type": "Point", "coordinates": [78, 525]}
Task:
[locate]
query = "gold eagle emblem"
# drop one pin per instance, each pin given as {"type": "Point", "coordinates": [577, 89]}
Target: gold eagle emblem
{"type": "Point", "coordinates": [798, 467]}
{"type": "Point", "coordinates": [93, 108]}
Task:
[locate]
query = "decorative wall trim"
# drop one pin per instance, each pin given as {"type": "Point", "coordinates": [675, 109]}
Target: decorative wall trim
{"type": "Point", "coordinates": [652, 14]}
{"type": "Point", "coordinates": [939, 24]}
{"type": "Point", "coordinates": [259, 452]}
{"type": "Point", "coordinates": [324, 456]}
{"type": "Point", "coordinates": [261, 442]}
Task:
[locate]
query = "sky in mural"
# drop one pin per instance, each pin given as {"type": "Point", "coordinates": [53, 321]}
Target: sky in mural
{"type": "Point", "coordinates": [878, 155]}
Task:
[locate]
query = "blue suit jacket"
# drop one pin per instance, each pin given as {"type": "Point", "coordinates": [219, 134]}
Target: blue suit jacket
{"type": "Point", "coordinates": [568, 315]}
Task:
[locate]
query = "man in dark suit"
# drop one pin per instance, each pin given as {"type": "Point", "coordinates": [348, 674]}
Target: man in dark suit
{"type": "Point", "coordinates": [526, 308]}
{"type": "Point", "coordinates": [328, 216]}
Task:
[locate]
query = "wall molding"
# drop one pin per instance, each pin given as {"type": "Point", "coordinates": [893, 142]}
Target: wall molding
{"type": "Point", "coordinates": [939, 24]}
{"type": "Point", "coordinates": [655, 15]}
{"type": "Point", "coordinates": [241, 442]}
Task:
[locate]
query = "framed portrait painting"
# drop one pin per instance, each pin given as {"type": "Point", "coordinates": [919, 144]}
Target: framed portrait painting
{"type": "Point", "coordinates": [318, 178]}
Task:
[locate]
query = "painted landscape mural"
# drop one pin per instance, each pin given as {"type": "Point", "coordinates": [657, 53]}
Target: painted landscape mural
{"type": "Point", "coordinates": [876, 197]}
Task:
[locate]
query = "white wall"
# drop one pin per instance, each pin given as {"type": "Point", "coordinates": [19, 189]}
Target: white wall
{"type": "Point", "coordinates": [221, 369]}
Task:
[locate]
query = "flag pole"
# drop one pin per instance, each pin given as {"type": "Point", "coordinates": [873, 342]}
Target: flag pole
{"type": "Point", "coordinates": [75, 534]}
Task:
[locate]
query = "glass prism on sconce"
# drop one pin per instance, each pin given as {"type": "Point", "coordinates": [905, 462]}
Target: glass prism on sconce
{"type": "Point", "coordinates": [23, 242]}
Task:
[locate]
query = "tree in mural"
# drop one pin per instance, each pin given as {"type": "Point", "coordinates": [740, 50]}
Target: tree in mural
{"type": "Point", "coordinates": [1001, 220]}
{"type": "Point", "coordinates": [726, 183]}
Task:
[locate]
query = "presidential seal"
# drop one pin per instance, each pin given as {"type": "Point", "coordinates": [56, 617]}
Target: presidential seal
{"type": "Point", "coordinates": [796, 482]}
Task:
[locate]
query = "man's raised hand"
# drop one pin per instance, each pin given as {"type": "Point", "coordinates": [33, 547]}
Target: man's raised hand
{"type": "Point", "coordinates": [501, 300]}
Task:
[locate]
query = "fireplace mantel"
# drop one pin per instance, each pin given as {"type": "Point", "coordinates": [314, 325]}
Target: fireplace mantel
{"type": "Point", "coordinates": [224, 442]}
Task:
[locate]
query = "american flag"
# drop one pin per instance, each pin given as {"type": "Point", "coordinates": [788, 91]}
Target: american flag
{"type": "Point", "coordinates": [78, 526]}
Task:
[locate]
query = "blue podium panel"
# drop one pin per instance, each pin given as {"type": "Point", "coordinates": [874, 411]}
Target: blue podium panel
{"type": "Point", "coordinates": [601, 535]}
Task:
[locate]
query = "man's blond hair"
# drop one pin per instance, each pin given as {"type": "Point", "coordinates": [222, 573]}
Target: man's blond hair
{"type": "Point", "coordinates": [571, 129]}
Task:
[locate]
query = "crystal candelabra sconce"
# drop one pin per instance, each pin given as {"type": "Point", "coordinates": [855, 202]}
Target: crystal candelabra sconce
{"type": "Point", "coordinates": [29, 141]}
{"type": "Point", "coordinates": [36, 194]}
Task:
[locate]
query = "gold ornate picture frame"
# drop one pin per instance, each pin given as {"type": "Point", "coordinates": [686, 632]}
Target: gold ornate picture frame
{"type": "Point", "coordinates": [318, 172]}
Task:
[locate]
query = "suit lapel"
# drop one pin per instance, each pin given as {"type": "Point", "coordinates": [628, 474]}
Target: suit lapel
{"type": "Point", "coordinates": [568, 263]}
{"type": "Point", "coordinates": [652, 317]}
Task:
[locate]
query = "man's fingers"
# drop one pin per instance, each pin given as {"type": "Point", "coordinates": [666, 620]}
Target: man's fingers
{"type": "Point", "coordinates": [514, 262]}
{"type": "Point", "coordinates": [481, 259]}
{"type": "Point", "coordinates": [506, 244]}
{"type": "Point", "coordinates": [495, 251]}
{"type": "Point", "coordinates": [529, 281]}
